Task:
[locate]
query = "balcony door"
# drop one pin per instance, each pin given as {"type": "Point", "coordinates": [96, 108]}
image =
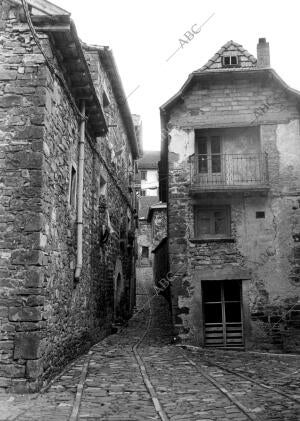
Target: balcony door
{"type": "Point", "coordinates": [208, 159]}
{"type": "Point", "coordinates": [222, 314]}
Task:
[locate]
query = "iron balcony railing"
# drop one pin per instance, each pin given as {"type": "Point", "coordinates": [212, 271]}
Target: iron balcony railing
{"type": "Point", "coordinates": [224, 171]}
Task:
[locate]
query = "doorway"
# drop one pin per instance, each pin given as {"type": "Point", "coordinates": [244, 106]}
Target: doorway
{"type": "Point", "coordinates": [223, 314]}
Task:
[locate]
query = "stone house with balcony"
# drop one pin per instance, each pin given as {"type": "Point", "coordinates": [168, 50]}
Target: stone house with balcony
{"type": "Point", "coordinates": [233, 202]}
{"type": "Point", "coordinates": [68, 152]}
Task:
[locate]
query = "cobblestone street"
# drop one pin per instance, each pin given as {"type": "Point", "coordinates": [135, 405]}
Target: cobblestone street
{"type": "Point", "coordinates": [190, 384]}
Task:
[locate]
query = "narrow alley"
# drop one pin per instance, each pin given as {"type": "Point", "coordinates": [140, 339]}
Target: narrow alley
{"type": "Point", "coordinates": [149, 254]}
{"type": "Point", "coordinates": [167, 381]}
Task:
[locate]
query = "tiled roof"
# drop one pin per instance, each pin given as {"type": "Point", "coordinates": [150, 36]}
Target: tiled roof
{"type": "Point", "coordinates": [247, 60]}
{"type": "Point", "coordinates": [248, 63]}
{"type": "Point", "coordinates": [145, 203]}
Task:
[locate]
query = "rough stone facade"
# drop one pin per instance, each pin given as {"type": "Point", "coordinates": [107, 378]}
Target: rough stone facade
{"type": "Point", "coordinates": [253, 112]}
{"type": "Point", "coordinates": [47, 317]}
{"type": "Point", "coordinates": [157, 218]}
{"type": "Point", "coordinates": [144, 244]}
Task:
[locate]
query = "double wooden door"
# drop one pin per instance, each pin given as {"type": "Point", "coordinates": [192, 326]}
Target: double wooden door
{"type": "Point", "coordinates": [222, 313]}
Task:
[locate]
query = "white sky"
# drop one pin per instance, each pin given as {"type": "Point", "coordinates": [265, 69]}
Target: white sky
{"type": "Point", "coordinates": [143, 34]}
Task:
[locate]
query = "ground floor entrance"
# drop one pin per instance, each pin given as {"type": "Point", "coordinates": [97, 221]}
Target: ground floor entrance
{"type": "Point", "coordinates": [223, 314]}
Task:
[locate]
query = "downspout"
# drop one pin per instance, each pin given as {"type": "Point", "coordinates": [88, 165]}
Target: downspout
{"type": "Point", "coordinates": [80, 194]}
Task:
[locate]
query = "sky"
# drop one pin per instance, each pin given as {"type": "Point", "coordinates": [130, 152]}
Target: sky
{"type": "Point", "coordinates": [144, 34]}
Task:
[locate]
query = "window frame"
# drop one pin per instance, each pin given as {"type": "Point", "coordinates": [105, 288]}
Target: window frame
{"type": "Point", "coordinates": [237, 64]}
{"type": "Point", "coordinates": [209, 157]}
{"type": "Point", "coordinates": [212, 209]}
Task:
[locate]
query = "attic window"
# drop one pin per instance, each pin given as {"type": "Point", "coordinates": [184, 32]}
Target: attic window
{"type": "Point", "coordinates": [230, 61]}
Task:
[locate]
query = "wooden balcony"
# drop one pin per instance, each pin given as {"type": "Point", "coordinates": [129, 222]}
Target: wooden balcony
{"type": "Point", "coordinates": [229, 172]}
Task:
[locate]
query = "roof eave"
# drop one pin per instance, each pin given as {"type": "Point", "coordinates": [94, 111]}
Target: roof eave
{"type": "Point", "coordinates": [157, 206]}
{"type": "Point", "coordinates": [93, 105]}
{"type": "Point", "coordinates": [109, 63]}
{"type": "Point", "coordinates": [62, 31]}
{"type": "Point", "coordinates": [44, 6]}
{"type": "Point", "coordinates": [198, 74]}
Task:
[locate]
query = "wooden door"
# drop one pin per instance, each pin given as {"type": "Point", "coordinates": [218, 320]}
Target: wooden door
{"type": "Point", "coordinates": [222, 311]}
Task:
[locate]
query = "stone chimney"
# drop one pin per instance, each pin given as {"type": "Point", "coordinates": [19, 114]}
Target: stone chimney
{"type": "Point", "coordinates": [263, 53]}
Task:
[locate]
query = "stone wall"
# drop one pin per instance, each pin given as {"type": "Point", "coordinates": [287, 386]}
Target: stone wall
{"type": "Point", "coordinates": [144, 240]}
{"type": "Point", "coordinates": [261, 251]}
{"type": "Point", "coordinates": [158, 226]}
{"type": "Point", "coordinates": [23, 82]}
{"type": "Point", "coordinates": [46, 317]}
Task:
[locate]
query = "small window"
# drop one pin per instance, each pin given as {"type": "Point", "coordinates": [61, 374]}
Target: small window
{"type": "Point", "coordinates": [105, 99]}
{"type": "Point", "coordinates": [73, 187]}
{"type": "Point", "coordinates": [103, 186]}
{"type": "Point", "coordinates": [143, 192]}
{"type": "Point", "coordinates": [260, 215]}
{"type": "Point", "coordinates": [143, 175]}
{"type": "Point", "coordinates": [230, 61]}
{"type": "Point", "coordinates": [145, 252]}
{"type": "Point", "coordinates": [212, 222]}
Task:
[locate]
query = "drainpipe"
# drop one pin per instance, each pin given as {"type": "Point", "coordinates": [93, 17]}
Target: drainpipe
{"type": "Point", "coordinates": [80, 195]}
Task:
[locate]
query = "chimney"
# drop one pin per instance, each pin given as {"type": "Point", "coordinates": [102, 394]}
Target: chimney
{"type": "Point", "coordinates": [263, 53]}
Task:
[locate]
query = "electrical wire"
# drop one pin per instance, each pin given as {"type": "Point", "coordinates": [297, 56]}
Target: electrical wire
{"type": "Point", "coordinates": [49, 63]}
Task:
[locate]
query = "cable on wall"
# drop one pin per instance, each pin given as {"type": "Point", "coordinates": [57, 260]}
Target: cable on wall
{"type": "Point", "coordinates": [49, 63]}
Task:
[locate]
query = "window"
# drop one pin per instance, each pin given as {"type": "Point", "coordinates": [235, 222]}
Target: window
{"type": "Point", "coordinates": [143, 175]}
{"type": "Point", "coordinates": [73, 187]}
{"type": "Point", "coordinates": [230, 61]}
{"type": "Point", "coordinates": [143, 192]}
{"type": "Point", "coordinates": [209, 154]}
{"type": "Point", "coordinates": [145, 252]}
{"type": "Point", "coordinates": [260, 215]}
{"type": "Point", "coordinates": [212, 222]}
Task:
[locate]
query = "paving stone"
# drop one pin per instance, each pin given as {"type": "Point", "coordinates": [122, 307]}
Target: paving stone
{"type": "Point", "coordinates": [115, 391]}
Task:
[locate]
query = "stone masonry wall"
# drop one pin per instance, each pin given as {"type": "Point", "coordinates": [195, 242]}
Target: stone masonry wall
{"type": "Point", "coordinates": [263, 248]}
{"type": "Point", "coordinates": [46, 317]}
{"type": "Point", "coordinates": [22, 110]}
{"type": "Point", "coordinates": [158, 226]}
{"type": "Point", "coordinates": [144, 240]}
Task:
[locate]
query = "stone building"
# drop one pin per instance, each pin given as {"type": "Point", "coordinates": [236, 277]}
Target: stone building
{"type": "Point", "coordinates": [68, 151]}
{"type": "Point", "coordinates": [234, 202]}
{"type": "Point", "coordinates": [148, 196]}
{"type": "Point", "coordinates": [144, 237]}
{"type": "Point", "coordinates": [148, 170]}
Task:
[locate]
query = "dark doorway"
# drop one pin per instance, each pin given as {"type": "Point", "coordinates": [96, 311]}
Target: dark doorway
{"type": "Point", "coordinates": [145, 252]}
{"type": "Point", "coordinates": [222, 314]}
